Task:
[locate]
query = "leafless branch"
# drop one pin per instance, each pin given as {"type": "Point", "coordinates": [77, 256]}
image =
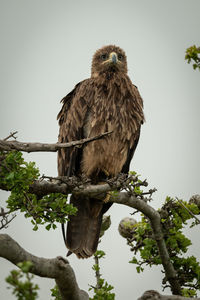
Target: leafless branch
{"type": "Point", "coordinates": [36, 147]}
{"type": "Point", "coordinates": [12, 134]}
{"type": "Point", "coordinates": [5, 218]}
{"type": "Point", "coordinates": [56, 268]}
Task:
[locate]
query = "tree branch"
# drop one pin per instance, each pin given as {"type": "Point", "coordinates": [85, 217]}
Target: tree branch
{"type": "Point", "coordinates": [45, 187]}
{"type": "Point", "coordinates": [189, 211]}
{"type": "Point", "coordinates": [154, 217]}
{"type": "Point", "coordinates": [83, 186]}
{"type": "Point", "coordinates": [12, 134]}
{"type": "Point", "coordinates": [129, 200]}
{"type": "Point", "coordinates": [97, 273]}
{"type": "Point", "coordinates": [57, 268]}
{"type": "Point", "coordinates": [69, 185]}
{"type": "Point", "coordinates": [154, 295]}
{"type": "Point", "coordinates": [36, 147]}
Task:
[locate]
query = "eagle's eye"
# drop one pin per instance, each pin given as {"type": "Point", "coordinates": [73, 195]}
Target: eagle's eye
{"type": "Point", "coordinates": [104, 56]}
{"type": "Point", "coordinates": [120, 57]}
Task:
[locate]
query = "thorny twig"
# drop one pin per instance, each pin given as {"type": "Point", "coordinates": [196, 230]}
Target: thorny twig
{"type": "Point", "coordinates": [129, 183]}
{"type": "Point", "coordinates": [12, 134]}
{"type": "Point", "coordinates": [5, 220]}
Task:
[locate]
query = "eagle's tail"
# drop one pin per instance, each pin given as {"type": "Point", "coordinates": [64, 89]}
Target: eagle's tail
{"type": "Point", "coordinates": [83, 229]}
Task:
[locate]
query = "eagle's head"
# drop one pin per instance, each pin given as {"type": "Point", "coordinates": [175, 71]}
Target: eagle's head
{"type": "Point", "coordinates": [109, 59]}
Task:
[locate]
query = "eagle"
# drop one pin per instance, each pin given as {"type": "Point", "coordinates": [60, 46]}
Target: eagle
{"type": "Point", "coordinates": [107, 101]}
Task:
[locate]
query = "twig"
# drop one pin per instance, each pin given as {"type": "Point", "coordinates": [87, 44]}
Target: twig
{"type": "Point", "coordinates": [5, 219]}
{"type": "Point", "coordinates": [97, 273]}
{"type": "Point", "coordinates": [12, 134]}
{"type": "Point", "coordinates": [3, 213]}
{"type": "Point", "coordinates": [36, 147]}
{"type": "Point", "coordinates": [189, 211]}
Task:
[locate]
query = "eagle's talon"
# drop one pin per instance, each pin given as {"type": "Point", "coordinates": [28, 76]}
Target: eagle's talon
{"type": "Point", "coordinates": [107, 199]}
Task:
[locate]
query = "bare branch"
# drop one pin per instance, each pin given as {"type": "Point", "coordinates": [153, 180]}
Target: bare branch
{"type": "Point", "coordinates": [3, 213]}
{"type": "Point", "coordinates": [57, 268]}
{"type": "Point", "coordinates": [36, 147]}
{"type": "Point", "coordinates": [5, 218]}
{"type": "Point", "coordinates": [12, 134]}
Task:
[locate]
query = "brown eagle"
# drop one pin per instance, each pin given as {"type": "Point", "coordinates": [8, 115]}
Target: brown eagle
{"type": "Point", "coordinates": [107, 101]}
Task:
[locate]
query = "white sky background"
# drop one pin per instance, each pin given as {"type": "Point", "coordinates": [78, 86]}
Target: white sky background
{"type": "Point", "coordinates": [46, 48]}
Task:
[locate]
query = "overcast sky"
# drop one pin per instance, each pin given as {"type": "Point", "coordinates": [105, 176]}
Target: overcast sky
{"type": "Point", "coordinates": [46, 48]}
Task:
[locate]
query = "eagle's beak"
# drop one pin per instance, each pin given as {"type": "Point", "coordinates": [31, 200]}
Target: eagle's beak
{"type": "Point", "coordinates": [113, 58]}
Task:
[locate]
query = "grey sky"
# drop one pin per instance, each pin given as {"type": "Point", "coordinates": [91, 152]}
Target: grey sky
{"type": "Point", "coordinates": [46, 48]}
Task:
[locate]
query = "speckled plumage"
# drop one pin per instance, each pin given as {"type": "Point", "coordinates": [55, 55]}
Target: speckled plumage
{"type": "Point", "coordinates": [108, 101]}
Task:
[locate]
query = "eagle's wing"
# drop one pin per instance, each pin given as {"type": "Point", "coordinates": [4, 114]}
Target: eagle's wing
{"type": "Point", "coordinates": [83, 229]}
{"type": "Point", "coordinates": [71, 121]}
{"type": "Point", "coordinates": [134, 140]}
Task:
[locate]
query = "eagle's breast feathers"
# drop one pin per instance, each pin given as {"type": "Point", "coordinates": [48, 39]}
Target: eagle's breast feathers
{"type": "Point", "coordinates": [97, 108]}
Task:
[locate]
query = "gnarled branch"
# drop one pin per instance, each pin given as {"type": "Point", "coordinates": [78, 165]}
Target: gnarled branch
{"type": "Point", "coordinates": [125, 198]}
{"type": "Point", "coordinates": [154, 295]}
{"type": "Point", "coordinates": [154, 217]}
{"type": "Point", "coordinates": [56, 268]}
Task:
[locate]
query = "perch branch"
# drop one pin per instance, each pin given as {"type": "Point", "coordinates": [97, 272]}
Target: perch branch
{"type": "Point", "coordinates": [126, 198]}
{"type": "Point", "coordinates": [57, 268]}
{"type": "Point", "coordinates": [36, 147]}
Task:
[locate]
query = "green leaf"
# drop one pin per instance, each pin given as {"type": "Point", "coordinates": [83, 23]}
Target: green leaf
{"type": "Point", "coordinates": [48, 227]}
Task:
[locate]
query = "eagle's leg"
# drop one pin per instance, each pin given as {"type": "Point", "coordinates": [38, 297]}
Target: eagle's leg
{"type": "Point", "coordinates": [108, 194]}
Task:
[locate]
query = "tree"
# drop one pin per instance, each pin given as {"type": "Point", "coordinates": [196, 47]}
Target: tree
{"type": "Point", "coordinates": [158, 237]}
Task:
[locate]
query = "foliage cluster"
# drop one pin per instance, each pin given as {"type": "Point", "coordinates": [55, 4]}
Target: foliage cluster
{"type": "Point", "coordinates": [23, 289]}
{"type": "Point", "coordinates": [22, 285]}
{"type": "Point", "coordinates": [192, 55]}
{"type": "Point", "coordinates": [17, 175]}
{"type": "Point", "coordinates": [173, 218]}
